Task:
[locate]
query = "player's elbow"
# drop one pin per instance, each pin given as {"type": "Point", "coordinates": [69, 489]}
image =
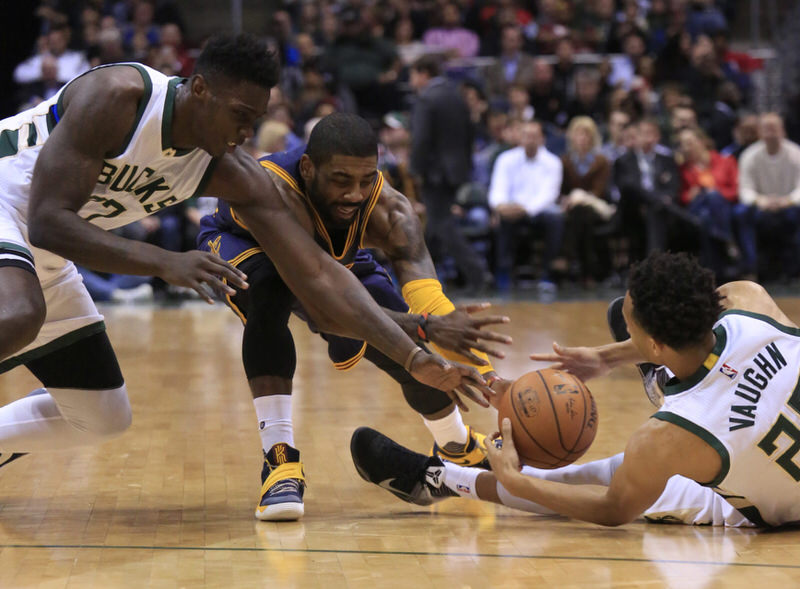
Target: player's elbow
{"type": "Point", "coordinates": [38, 233]}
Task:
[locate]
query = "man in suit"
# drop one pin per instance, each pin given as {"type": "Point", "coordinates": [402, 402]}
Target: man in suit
{"type": "Point", "coordinates": [441, 157]}
{"type": "Point", "coordinates": [513, 66]}
{"type": "Point", "coordinates": [648, 182]}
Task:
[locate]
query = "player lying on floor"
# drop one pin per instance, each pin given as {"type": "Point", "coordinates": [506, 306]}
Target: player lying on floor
{"type": "Point", "coordinates": [335, 181]}
{"type": "Point", "coordinates": [720, 451]}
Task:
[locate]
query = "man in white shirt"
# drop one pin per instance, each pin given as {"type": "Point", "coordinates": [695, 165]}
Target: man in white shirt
{"type": "Point", "coordinates": [526, 182]}
{"type": "Point", "coordinates": [769, 185]}
{"type": "Point", "coordinates": [69, 63]}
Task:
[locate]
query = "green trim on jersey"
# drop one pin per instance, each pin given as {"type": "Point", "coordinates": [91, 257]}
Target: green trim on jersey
{"type": "Point", "coordinates": [61, 342]}
{"type": "Point", "coordinates": [678, 386]}
{"type": "Point", "coordinates": [15, 247]}
{"type": "Point", "coordinates": [201, 186]}
{"type": "Point", "coordinates": [148, 91]}
{"type": "Point", "coordinates": [704, 435]}
{"type": "Point", "coordinates": [9, 142]}
{"type": "Point", "coordinates": [166, 118]}
{"type": "Point", "coordinates": [765, 318]}
{"type": "Point", "coordinates": [33, 134]}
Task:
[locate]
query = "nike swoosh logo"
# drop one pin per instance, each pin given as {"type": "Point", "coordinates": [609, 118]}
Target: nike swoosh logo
{"type": "Point", "coordinates": [387, 484]}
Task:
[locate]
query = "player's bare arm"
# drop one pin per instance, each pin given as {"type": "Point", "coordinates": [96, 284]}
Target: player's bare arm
{"type": "Point", "coordinates": [67, 170]}
{"type": "Point", "coordinates": [655, 452]}
{"type": "Point", "coordinates": [750, 296]}
{"type": "Point", "coordinates": [329, 292]}
{"type": "Point", "coordinates": [395, 229]}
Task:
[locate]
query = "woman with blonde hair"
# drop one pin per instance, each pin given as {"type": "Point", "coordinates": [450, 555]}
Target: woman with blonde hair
{"type": "Point", "coordinates": [584, 199]}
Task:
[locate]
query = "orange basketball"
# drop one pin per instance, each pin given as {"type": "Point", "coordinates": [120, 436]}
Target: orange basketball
{"type": "Point", "coordinates": [553, 417]}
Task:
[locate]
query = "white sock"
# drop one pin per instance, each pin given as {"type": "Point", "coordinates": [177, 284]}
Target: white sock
{"type": "Point", "coordinates": [274, 413]}
{"type": "Point", "coordinates": [461, 479]}
{"type": "Point", "coordinates": [448, 429]}
{"type": "Point", "coordinates": [598, 472]}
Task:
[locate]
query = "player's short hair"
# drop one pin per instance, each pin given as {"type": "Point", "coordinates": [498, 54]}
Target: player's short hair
{"type": "Point", "coordinates": [341, 133]}
{"type": "Point", "coordinates": [241, 57]}
{"type": "Point", "coordinates": [674, 299]}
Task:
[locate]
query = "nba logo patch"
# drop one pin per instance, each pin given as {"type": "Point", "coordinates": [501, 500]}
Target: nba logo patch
{"type": "Point", "coordinates": [462, 488]}
{"type": "Point", "coordinates": [729, 371]}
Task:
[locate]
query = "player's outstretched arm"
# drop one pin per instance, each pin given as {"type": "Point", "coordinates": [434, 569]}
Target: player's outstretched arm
{"type": "Point", "coordinates": [590, 362]}
{"type": "Point", "coordinates": [100, 110]}
{"type": "Point", "coordinates": [395, 228]}
{"type": "Point", "coordinates": [333, 297]}
{"type": "Point", "coordinates": [635, 486]}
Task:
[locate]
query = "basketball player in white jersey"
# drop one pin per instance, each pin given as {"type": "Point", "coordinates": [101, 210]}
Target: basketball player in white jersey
{"type": "Point", "coordinates": [722, 450]}
{"type": "Point", "coordinates": [115, 145]}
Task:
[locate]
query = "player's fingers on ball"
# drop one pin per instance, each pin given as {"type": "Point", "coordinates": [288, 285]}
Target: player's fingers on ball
{"type": "Point", "coordinates": [506, 431]}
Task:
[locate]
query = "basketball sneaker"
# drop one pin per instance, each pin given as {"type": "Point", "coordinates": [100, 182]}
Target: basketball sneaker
{"type": "Point", "coordinates": [654, 377]}
{"type": "Point", "coordinates": [5, 458]}
{"type": "Point", "coordinates": [282, 485]}
{"type": "Point", "coordinates": [473, 453]}
{"type": "Point", "coordinates": [413, 477]}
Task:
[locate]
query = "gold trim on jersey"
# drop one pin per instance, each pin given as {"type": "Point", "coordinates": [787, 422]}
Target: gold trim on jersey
{"type": "Point", "coordinates": [355, 227]}
{"type": "Point", "coordinates": [234, 262]}
{"type": "Point", "coordinates": [236, 219]}
{"type": "Point", "coordinates": [351, 362]}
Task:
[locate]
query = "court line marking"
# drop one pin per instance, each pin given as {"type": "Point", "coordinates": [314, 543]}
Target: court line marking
{"type": "Point", "coordinates": [405, 553]}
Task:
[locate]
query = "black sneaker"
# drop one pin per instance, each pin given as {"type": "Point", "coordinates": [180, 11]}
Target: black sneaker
{"type": "Point", "coordinates": [654, 377]}
{"type": "Point", "coordinates": [5, 458]}
{"type": "Point", "coordinates": [414, 478]}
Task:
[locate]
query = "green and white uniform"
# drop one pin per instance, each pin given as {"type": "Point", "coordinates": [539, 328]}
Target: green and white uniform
{"type": "Point", "coordinates": [147, 175]}
{"type": "Point", "coordinates": [745, 403]}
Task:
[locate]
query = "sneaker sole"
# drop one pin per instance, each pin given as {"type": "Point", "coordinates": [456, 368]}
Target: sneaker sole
{"type": "Point", "coordinates": [280, 512]}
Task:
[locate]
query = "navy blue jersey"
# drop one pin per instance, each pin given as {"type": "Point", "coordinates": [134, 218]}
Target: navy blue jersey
{"type": "Point", "coordinates": [342, 244]}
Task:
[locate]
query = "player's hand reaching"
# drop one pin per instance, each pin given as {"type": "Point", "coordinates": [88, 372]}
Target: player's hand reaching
{"type": "Point", "coordinates": [583, 362]}
{"type": "Point", "coordinates": [450, 377]}
{"type": "Point", "coordinates": [201, 271]}
{"type": "Point", "coordinates": [504, 459]}
{"type": "Point", "coordinates": [496, 390]}
{"type": "Point", "coordinates": [459, 331]}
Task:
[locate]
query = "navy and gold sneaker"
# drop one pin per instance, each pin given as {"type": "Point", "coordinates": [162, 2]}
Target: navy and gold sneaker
{"type": "Point", "coordinates": [282, 485]}
{"type": "Point", "coordinates": [413, 477]}
{"type": "Point", "coordinates": [473, 453]}
{"type": "Point", "coordinates": [654, 377]}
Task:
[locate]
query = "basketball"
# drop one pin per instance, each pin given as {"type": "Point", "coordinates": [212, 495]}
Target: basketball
{"type": "Point", "coordinates": [553, 417]}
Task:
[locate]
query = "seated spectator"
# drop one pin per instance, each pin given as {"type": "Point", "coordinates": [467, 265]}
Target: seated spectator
{"type": "Point", "coordinates": [523, 193]}
{"type": "Point", "coordinates": [452, 38]}
{"type": "Point", "coordinates": [548, 102]}
{"type": "Point", "coordinates": [745, 133]}
{"type": "Point", "coordinates": [512, 67]}
{"type": "Point", "coordinates": [565, 68]}
{"type": "Point", "coordinates": [649, 183]}
{"type": "Point", "coordinates": [709, 189]}
{"type": "Point", "coordinates": [615, 146]}
{"type": "Point", "coordinates": [519, 103]}
{"type": "Point", "coordinates": [483, 159]}
{"type": "Point", "coordinates": [585, 198]}
{"type": "Point", "coordinates": [69, 64]}
{"type": "Point", "coordinates": [587, 102]}
{"type": "Point", "coordinates": [142, 30]}
{"type": "Point", "coordinates": [770, 189]}
{"type": "Point", "coordinates": [42, 89]}
{"type": "Point", "coordinates": [623, 67]}
{"type": "Point", "coordinates": [271, 137]}
{"type": "Point", "coordinates": [171, 35]}
{"type": "Point", "coordinates": [724, 115]}
{"type": "Point", "coordinates": [409, 48]}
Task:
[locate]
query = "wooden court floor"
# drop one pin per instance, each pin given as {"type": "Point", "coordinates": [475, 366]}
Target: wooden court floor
{"type": "Point", "coordinates": [170, 503]}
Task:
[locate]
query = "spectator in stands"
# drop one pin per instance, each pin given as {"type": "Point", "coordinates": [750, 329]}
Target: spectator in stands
{"type": "Point", "coordinates": [770, 189]}
{"type": "Point", "coordinates": [597, 27]}
{"type": "Point", "coordinates": [451, 37]}
{"type": "Point", "coordinates": [409, 48]}
{"type": "Point", "coordinates": [171, 35]}
{"type": "Point", "coordinates": [585, 199]}
{"type": "Point", "coordinates": [365, 64]}
{"type": "Point", "coordinates": [588, 101]}
{"type": "Point", "coordinates": [705, 18]}
{"type": "Point", "coordinates": [56, 44]}
{"type": "Point", "coordinates": [615, 146]}
{"type": "Point", "coordinates": [724, 114]}
{"type": "Point", "coordinates": [441, 157]}
{"type": "Point", "coordinates": [271, 137]}
{"type": "Point", "coordinates": [564, 70]}
{"type": "Point", "coordinates": [649, 183]}
{"type": "Point", "coordinates": [142, 30]}
{"type": "Point", "coordinates": [709, 190]}
{"type": "Point", "coordinates": [478, 107]}
{"type": "Point", "coordinates": [682, 117]}
{"type": "Point", "coordinates": [483, 159]}
{"type": "Point", "coordinates": [513, 66]}
{"type": "Point", "coordinates": [548, 102]}
{"type": "Point", "coordinates": [623, 67]}
{"type": "Point", "coordinates": [703, 77]}
{"type": "Point", "coordinates": [745, 133]}
{"type": "Point", "coordinates": [519, 103]}
{"type": "Point", "coordinates": [524, 190]}
{"type": "Point", "coordinates": [109, 44]}
{"type": "Point", "coordinates": [45, 87]}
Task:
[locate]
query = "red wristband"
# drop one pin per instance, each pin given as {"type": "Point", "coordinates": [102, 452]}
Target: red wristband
{"type": "Point", "coordinates": [422, 327]}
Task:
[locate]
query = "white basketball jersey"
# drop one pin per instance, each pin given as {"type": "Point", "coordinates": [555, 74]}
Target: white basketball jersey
{"type": "Point", "coordinates": [745, 402]}
{"type": "Point", "coordinates": [146, 176]}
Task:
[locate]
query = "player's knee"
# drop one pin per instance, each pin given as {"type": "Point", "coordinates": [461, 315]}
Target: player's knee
{"type": "Point", "coordinates": [116, 416]}
{"type": "Point", "coordinates": [20, 322]}
{"type": "Point", "coordinates": [101, 415]}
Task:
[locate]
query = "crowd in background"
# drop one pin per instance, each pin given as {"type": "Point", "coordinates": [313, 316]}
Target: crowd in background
{"type": "Point", "coordinates": [549, 141]}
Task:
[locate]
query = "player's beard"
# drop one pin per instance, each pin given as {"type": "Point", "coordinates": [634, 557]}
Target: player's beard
{"type": "Point", "coordinates": [324, 209]}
